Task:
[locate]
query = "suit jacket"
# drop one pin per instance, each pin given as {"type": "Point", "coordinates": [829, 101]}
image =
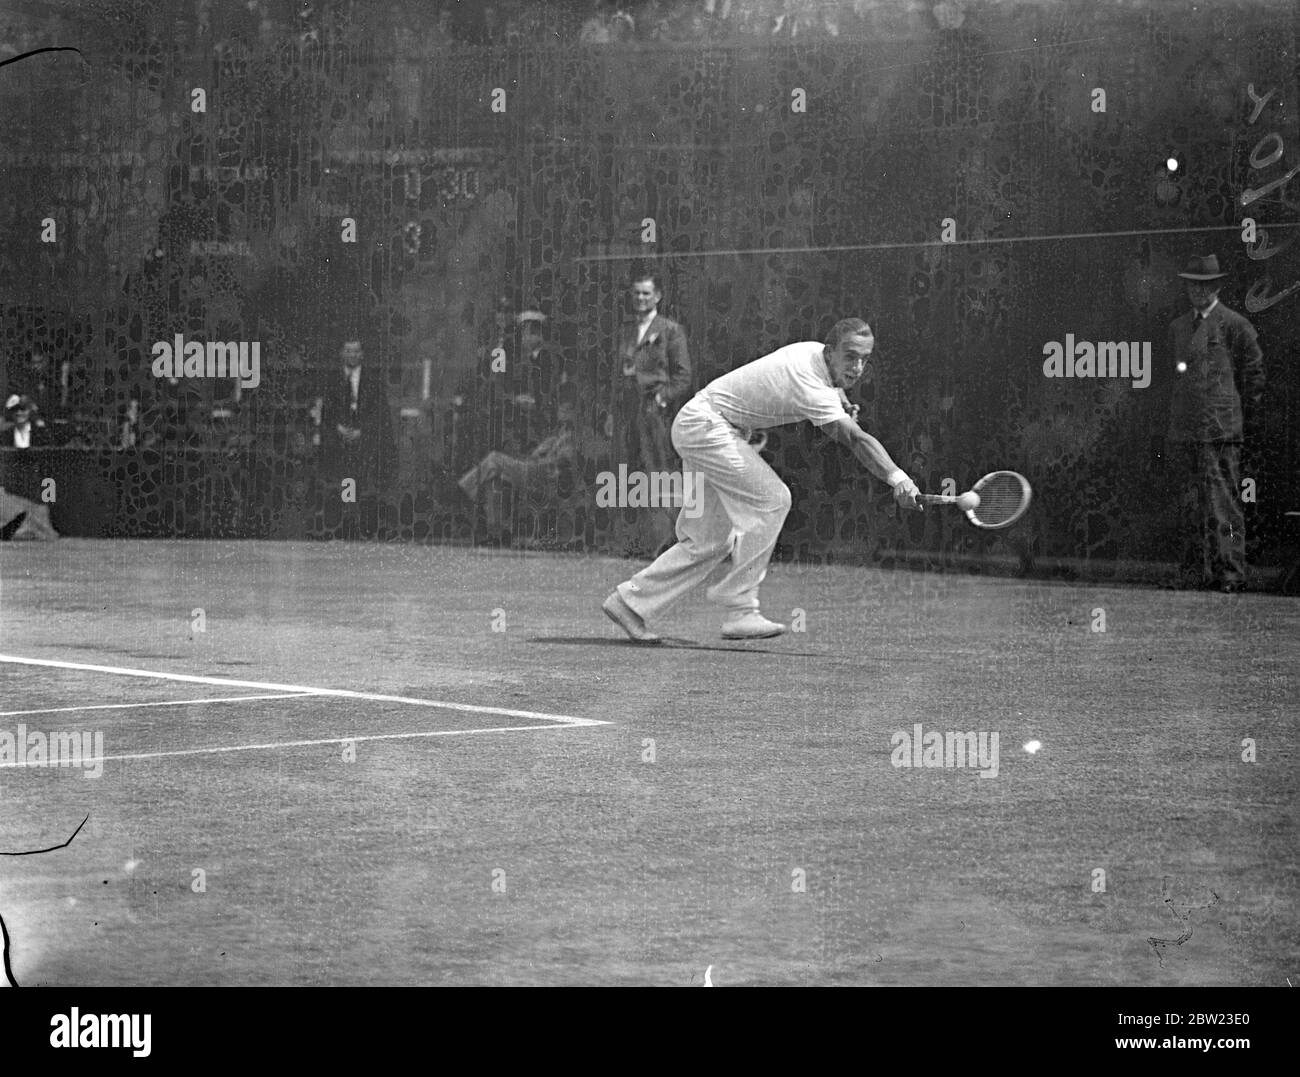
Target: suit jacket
{"type": "Point", "coordinates": [661, 360]}
{"type": "Point", "coordinates": [374, 454]}
{"type": "Point", "coordinates": [1225, 368]}
{"type": "Point", "coordinates": [512, 427]}
{"type": "Point", "coordinates": [40, 436]}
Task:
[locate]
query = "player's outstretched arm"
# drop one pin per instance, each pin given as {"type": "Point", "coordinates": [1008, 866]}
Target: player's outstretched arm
{"type": "Point", "coordinates": [872, 455]}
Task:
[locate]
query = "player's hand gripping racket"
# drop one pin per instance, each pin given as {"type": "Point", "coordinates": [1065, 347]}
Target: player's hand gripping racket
{"type": "Point", "coordinates": [997, 500]}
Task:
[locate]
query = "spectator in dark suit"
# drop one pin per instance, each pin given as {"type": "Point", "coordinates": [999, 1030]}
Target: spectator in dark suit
{"type": "Point", "coordinates": [517, 386]}
{"type": "Point", "coordinates": [654, 372]}
{"type": "Point", "coordinates": [1217, 399]}
{"type": "Point", "coordinates": [522, 397]}
{"type": "Point", "coordinates": [356, 429]}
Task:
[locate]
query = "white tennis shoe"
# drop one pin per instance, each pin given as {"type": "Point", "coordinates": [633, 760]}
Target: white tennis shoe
{"type": "Point", "coordinates": [750, 625]}
{"type": "Point", "coordinates": [627, 619]}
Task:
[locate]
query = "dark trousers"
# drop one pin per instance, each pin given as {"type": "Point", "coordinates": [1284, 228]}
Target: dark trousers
{"type": "Point", "coordinates": [644, 436]}
{"type": "Point", "coordinates": [360, 516]}
{"type": "Point", "coordinates": [1214, 525]}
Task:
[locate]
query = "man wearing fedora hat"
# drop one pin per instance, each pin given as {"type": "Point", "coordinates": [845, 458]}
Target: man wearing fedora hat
{"type": "Point", "coordinates": [23, 428]}
{"type": "Point", "coordinates": [541, 374]}
{"type": "Point", "coordinates": [1218, 391]}
{"type": "Point", "coordinates": [523, 376]}
{"type": "Point", "coordinates": [517, 406]}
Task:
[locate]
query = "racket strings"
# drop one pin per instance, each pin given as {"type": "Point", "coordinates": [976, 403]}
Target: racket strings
{"type": "Point", "coordinates": [1001, 498]}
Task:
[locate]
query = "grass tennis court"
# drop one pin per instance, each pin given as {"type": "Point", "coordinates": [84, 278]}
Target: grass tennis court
{"type": "Point", "coordinates": [531, 840]}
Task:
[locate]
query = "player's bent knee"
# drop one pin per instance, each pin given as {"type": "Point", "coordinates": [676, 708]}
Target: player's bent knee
{"type": "Point", "coordinates": [706, 551]}
{"type": "Point", "coordinates": [782, 501]}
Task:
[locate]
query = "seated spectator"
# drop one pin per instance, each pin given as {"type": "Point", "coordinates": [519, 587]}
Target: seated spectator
{"type": "Point", "coordinates": [545, 474]}
{"type": "Point", "coordinates": [31, 379]}
{"type": "Point", "coordinates": [23, 428]}
{"type": "Point", "coordinates": [521, 399]}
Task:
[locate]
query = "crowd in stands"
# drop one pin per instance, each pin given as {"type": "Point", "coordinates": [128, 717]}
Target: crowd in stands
{"type": "Point", "coordinates": [48, 403]}
{"type": "Point", "coordinates": [517, 430]}
{"type": "Point", "coordinates": [587, 22]}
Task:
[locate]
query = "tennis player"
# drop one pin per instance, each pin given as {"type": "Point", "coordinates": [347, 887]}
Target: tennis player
{"type": "Point", "coordinates": [742, 504]}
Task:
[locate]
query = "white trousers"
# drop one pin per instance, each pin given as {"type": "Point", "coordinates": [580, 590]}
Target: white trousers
{"type": "Point", "coordinates": [740, 508]}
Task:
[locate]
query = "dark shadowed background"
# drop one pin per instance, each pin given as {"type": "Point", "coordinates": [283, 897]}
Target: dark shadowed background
{"type": "Point", "coordinates": [769, 224]}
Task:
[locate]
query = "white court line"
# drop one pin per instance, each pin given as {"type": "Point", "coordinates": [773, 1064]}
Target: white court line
{"type": "Point", "coordinates": [343, 693]}
{"type": "Point", "coordinates": [163, 703]}
{"type": "Point", "coordinates": [671, 255]}
{"type": "Point", "coordinates": [303, 743]}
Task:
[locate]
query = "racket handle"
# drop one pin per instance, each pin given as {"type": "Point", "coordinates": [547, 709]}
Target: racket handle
{"type": "Point", "coordinates": [940, 499]}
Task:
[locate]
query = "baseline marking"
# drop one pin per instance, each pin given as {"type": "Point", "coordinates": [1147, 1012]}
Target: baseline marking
{"type": "Point", "coordinates": [301, 689]}
{"type": "Point", "coordinates": [917, 244]}
{"type": "Point", "coordinates": [306, 743]}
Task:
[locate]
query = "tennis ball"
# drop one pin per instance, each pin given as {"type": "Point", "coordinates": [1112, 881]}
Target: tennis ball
{"type": "Point", "coordinates": [969, 500]}
{"type": "Point", "coordinates": [1181, 367]}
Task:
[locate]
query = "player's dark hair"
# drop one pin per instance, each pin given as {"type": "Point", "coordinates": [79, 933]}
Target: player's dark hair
{"type": "Point", "coordinates": [846, 327]}
{"type": "Point", "coordinates": [637, 277]}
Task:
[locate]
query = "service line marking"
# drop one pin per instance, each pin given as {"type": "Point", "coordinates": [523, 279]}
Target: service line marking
{"type": "Point", "coordinates": [162, 703]}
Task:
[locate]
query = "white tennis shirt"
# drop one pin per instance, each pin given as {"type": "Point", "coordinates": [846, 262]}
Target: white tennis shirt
{"type": "Point", "coordinates": [786, 386]}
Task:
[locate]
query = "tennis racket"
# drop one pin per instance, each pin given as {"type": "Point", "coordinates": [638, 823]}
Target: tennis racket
{"type": "Point", "coordinates": [1003, 498]}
